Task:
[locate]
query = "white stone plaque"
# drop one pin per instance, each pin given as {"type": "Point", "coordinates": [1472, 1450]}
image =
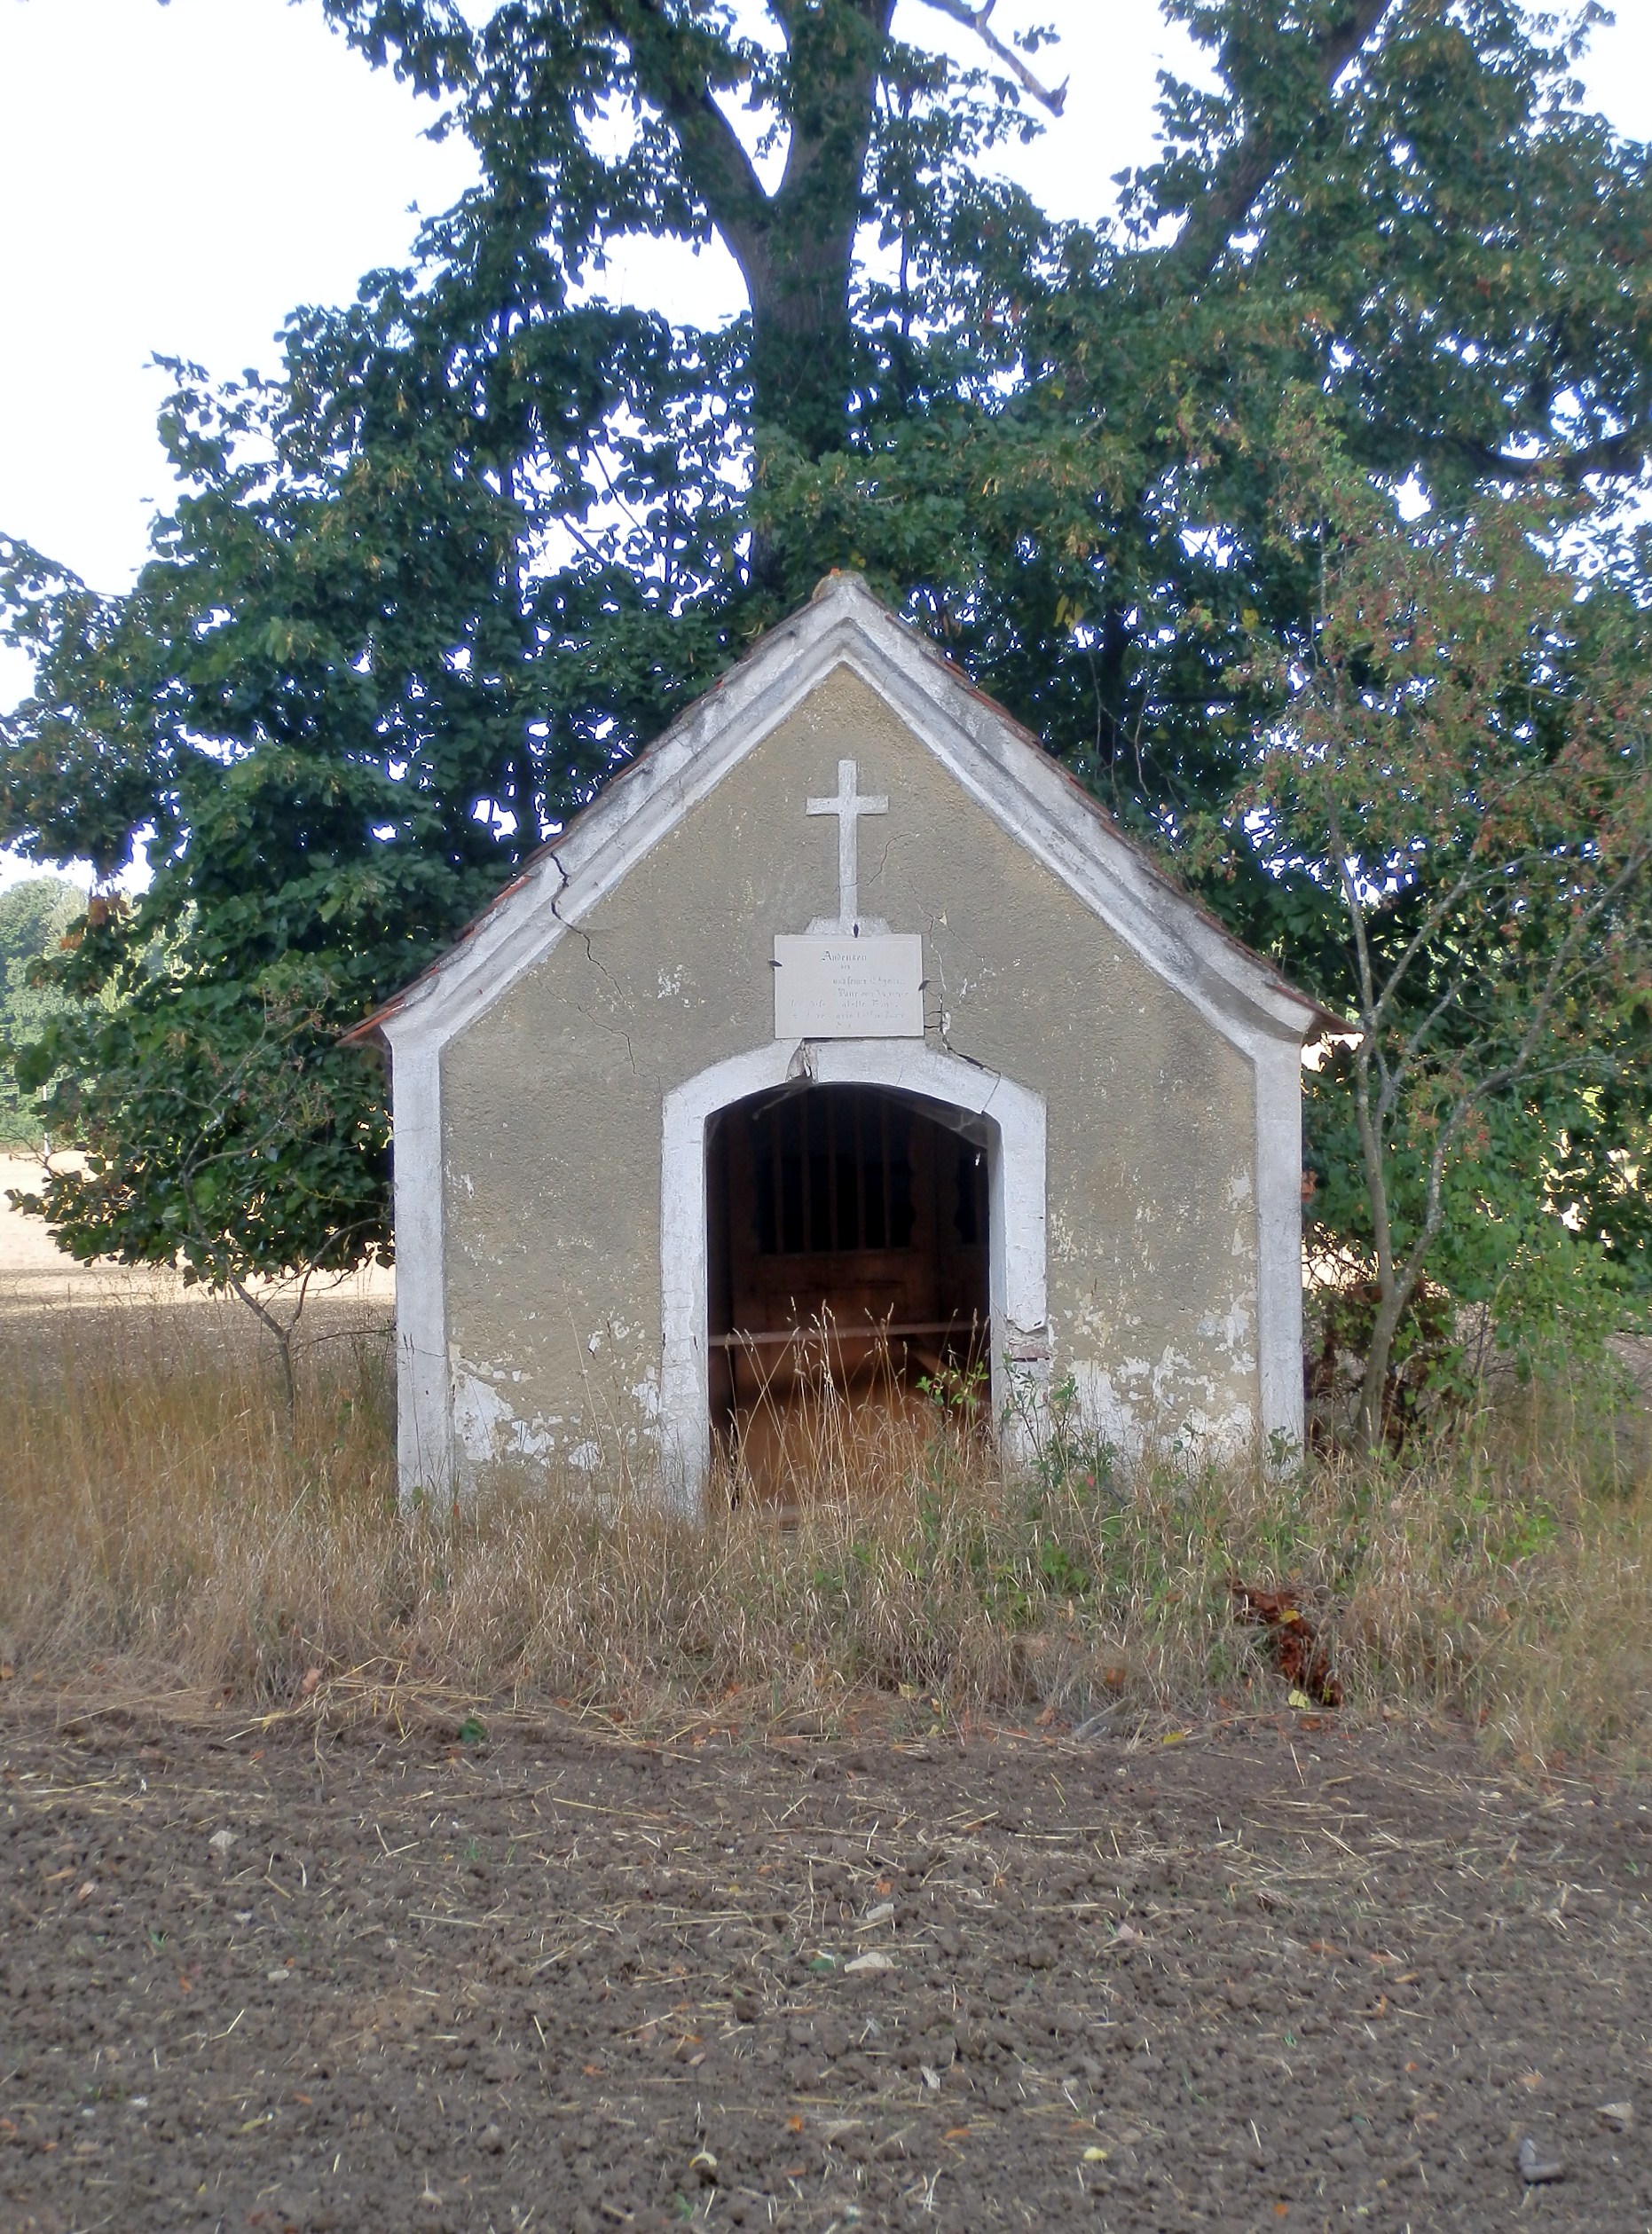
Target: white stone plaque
{"type": "Point", "coordinates": [838, 987]}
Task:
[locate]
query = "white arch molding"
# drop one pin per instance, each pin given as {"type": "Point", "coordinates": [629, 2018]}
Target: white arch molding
{"type": "Point", "coordinates": [1016, 1157]}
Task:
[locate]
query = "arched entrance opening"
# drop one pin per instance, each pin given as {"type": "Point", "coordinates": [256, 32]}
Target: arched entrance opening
{"type": "Point", "coordinates": [1007, 1117]}
{"type": "Point", "coordinates": [848, 1256]}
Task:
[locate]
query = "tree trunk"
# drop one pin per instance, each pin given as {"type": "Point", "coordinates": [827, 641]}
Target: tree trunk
{"type": "Point", "coordinates": [795, 246]}
{"type": "Point", "coordinates": [283, 1333]}
{"type": "Point", "coordinates": [1390, 1309]}
{"type": "Point", "coordinates": [522, 775]}
{"type": "Point", "coordinates": [289, 1377]}
{"type": "Point", "coordinates": [1391, 1292]}
{"type": "Point", "coordinates": [524, 804]}
{"type": "Point", "coordinates": [802, 338]}
{"type": "Point", "coordinates": [802, 359]}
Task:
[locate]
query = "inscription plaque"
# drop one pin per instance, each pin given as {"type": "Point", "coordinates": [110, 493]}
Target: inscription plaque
{"type": "Point", "coordinates": [837, 987]}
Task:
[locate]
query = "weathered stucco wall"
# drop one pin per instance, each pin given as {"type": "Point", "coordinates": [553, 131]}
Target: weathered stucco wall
{"type": "Point", "coordinates": [552, 1100]}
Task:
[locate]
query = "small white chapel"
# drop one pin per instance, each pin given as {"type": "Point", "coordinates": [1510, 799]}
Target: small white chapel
{"type": "Point", "coordinates": [843, 1035]}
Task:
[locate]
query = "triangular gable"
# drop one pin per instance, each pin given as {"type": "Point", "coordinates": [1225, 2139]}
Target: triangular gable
{"type": "Point", "coordinates": [1001, 765]}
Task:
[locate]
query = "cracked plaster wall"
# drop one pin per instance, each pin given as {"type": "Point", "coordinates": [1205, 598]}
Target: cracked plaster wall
{"type": "Point", "coordinates": [551, 1102]}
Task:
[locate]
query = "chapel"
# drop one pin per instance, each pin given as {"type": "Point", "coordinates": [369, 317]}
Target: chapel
{"type": "Point", "coordinates": [843, 1042]}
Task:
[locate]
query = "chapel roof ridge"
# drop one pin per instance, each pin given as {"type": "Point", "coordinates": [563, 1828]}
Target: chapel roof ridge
{"type": "Point", "coordinates": [849, 585]}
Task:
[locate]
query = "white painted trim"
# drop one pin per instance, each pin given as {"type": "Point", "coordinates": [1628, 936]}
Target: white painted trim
{"type": "Point", "coordinates": [1016, 1172]}
{"type": "Point", "coordinates": [424, 1438]}
{"type": "Point", "coordinates": [1277, 1070]}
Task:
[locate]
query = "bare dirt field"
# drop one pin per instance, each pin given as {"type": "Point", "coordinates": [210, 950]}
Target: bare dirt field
{"type": "Point", "coordinates": [551, 1975]}
{"type": "Point", "coordinates": [388, 1962]}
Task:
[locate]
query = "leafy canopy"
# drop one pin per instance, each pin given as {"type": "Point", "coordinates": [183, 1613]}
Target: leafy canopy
{"type": "Point", "coordinates": [488, 528]}
{"type": "Point", "coordinates": [1458, 758]}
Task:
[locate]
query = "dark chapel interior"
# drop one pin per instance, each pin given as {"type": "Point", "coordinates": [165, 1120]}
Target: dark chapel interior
{"type": "Point", "coordinates": [847, 1263]}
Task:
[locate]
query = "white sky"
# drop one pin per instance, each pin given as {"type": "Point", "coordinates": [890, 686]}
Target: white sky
{"type": "Point", "coordinates": [177, 178]}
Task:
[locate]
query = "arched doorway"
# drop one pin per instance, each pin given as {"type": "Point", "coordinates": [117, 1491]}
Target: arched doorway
{"type": "Point", "coordinates": [1011, 1115]}
{"type": "Point", "coordinates": [848, 1255]}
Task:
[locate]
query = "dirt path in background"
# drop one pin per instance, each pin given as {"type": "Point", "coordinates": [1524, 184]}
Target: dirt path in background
{"type": "Point", "coordinates": [39, 1281]}
{"type": "Point", "coordinates": [1248, 1980]}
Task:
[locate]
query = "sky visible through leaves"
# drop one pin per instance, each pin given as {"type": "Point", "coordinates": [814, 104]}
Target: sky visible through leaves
{"type": "Point", "coordinates": [193, 172]}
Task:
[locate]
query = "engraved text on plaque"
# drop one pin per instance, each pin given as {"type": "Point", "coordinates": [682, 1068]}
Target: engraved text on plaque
{"type": "Point", "coordinates": [837, 987]}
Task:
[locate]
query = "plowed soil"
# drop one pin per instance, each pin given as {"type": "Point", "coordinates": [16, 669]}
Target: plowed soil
{"type": "Point", "coordinates": [567, 1981]}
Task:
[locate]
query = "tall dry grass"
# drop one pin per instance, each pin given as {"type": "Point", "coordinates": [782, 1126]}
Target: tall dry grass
{"type": "Point", "coordinates": [165, 1524]}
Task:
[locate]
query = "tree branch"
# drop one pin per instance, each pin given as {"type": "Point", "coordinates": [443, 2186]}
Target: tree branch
{"type": "Point", "coordinates": [1410, 1047]}
{"type": "Point", "coordinates": [1438, 911]}
{"type": "Point", "coordinates": [1625, 452]}
{"type": "Point", "coordinates": [1556, 982]}
{"type": "Point", "coordinates": [1055, 100]}
{"type": "Point", "coordinates": [670, 76]}
{"type": "Point", "coordinates": [1245, 168]}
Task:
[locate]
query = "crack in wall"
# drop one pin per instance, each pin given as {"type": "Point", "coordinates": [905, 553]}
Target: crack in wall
{"type": "Point", "coordinates": [591, 956]}
{"type": "Point", "coordinates": [943, 1022]}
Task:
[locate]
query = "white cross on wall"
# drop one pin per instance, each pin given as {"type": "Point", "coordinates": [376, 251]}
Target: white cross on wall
{"type": "Point", "coordinates": [848, 807]}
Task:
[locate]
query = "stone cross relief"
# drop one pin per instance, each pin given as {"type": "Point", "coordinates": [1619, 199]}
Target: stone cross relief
{"type": "Point", "coordinates": [849, 805]}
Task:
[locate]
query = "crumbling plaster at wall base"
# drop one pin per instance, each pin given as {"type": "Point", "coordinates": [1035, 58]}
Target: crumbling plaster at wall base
{"type": "Point", "coordinates": [485, 1425]}
{"type": "Point", "coordinates": [1141, 1407]}
{"type": "Point", "coordinates": [617, 1432]}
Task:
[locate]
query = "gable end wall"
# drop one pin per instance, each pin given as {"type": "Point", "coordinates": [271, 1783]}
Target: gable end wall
{"type": "Point", "coordinates": [551, 1103]}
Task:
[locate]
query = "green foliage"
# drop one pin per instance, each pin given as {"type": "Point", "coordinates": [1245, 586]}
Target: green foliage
{"type": "Point", "coordinates": [213, 1138]}
{"type": "Point", "coordinates": [1065, 1453]}
{"type": "Point", "coordinates": [424, 591]}
{"type": "Point", "coordinates": [1432, 1372]}
{"type": "Point", "coordinates": [1552, 1274]}
{"type": "Point", "coordinates": [1458, 754]}
{"type": "Point", "coordinates": [36, 916]}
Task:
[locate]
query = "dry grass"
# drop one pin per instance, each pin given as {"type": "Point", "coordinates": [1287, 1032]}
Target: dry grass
{"type": "Point", "coordinates": [162, 1526]}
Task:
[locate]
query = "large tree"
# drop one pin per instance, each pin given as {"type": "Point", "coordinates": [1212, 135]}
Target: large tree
{"type": "Point", "coordinates": [487, 529]}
